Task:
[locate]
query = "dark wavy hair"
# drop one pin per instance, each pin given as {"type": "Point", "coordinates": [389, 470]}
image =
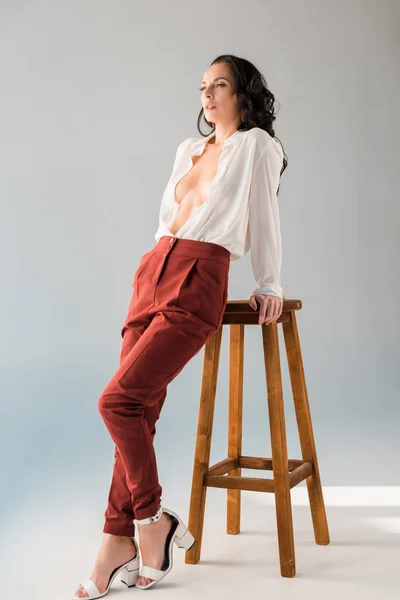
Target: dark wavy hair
{"type": "Point", "coordinates": [253, 96]}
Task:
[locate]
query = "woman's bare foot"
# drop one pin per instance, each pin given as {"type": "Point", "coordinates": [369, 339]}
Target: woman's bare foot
{"type": "Point", "coordinates": [115, 550]}
{"type": "Point", "coordinates": [152, 538]}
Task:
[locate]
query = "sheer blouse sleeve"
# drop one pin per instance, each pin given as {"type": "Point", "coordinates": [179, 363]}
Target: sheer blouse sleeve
{"type": "Point", "coordinates": [264, 224]}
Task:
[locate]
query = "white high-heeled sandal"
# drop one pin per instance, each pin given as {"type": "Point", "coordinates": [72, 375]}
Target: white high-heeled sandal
{"type": "Point", "coordinates": [129, 575]}
{"type": "Point", "coordinates": [178, 533]}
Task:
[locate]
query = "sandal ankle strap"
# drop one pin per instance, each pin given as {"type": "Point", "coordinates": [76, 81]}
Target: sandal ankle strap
{"type": "Point", "coordinates": [153, 519]}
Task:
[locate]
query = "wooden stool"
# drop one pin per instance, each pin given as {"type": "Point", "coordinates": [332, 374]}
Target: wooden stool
{"type": "Point", "coordinates": [287, 473]}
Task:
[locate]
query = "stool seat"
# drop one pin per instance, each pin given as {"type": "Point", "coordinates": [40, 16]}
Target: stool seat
{"type": "Point", "coordinates": [287, 472]}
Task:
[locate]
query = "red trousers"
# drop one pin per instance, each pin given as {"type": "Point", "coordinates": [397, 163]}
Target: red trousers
{"type": "Point", "coordinates": [180, 290]}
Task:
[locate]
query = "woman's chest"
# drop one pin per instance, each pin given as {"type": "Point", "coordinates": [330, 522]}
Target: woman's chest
{"type": "Point", "coordinates": [194, 187]}
{"type": "Point", "coordinates": [207, 188]}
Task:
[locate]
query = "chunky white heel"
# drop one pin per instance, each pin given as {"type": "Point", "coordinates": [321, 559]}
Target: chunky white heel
{"type": "Point", "coordinates": [185, 541]}
{"type": "Point", "coordinates": [178, 533]}
{"type": "Point", "coordinates": [129, 575]}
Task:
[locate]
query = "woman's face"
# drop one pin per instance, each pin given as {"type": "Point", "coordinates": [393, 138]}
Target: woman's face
{"type": "Point", "coordinates": [218, 90]}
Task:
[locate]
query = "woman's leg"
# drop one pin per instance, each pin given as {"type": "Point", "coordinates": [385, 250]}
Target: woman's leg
{"type": "Point", "coordinates": [116, 547]}
{"type": "Point", "coordinates": [168, 343]}
{"type": "Point", "coordinates": [184, 296]}
{"type": "Point", "coordinates": [119, 515]}
{"type": "Point", "coordinates": [177, 305]}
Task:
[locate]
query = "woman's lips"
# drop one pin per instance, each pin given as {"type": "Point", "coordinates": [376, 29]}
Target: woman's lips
{"type": "Point", "coordinates": [210, 107]}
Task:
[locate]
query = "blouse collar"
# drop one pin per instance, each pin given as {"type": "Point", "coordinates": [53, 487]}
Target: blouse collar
{"type": "Point", "coordinates": [200, 142]}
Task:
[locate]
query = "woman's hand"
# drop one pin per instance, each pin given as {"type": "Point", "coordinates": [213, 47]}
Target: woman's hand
{"type": "Point", "coordinates": [270, 307]}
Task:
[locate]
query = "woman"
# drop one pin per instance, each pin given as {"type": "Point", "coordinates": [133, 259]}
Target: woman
{"type": "Point", "coordinates": [220, 201]}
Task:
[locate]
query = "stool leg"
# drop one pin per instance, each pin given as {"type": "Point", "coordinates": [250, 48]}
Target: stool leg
{"type": "Point", "coordinates": [304, 424]}
{"type": "Point", "coordinates": [235, 422]}
{"type": "Point", "coordinates": [280, 463]}
{"type": "Point", "coordinates": [203, 444]}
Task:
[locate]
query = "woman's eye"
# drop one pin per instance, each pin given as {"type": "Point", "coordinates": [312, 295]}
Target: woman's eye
{"type": "Point", "coordinates": [221, 84]}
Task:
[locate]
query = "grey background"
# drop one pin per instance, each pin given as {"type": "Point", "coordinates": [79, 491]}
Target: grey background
{"type": "Point", "coordinates": [96, 97]}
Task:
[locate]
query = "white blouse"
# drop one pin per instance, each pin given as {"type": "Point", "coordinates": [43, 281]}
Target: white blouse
{"type": "Point", "coordinates": [241, 210]}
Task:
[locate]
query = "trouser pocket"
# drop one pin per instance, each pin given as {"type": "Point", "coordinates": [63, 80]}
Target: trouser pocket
{"type": "Point", "coordinates": [141, 264]}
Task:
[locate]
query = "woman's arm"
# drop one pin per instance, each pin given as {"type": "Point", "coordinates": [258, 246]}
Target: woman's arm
{"type": "Point", "coordinates": [264, 223]}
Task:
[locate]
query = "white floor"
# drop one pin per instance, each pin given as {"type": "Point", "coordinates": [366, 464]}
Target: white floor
{"type": "Point", "coordinates": [47, 553]}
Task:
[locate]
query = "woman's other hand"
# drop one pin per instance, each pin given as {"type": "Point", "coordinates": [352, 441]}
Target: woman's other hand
{"type": "Point", "coordinates": [270, 307]}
